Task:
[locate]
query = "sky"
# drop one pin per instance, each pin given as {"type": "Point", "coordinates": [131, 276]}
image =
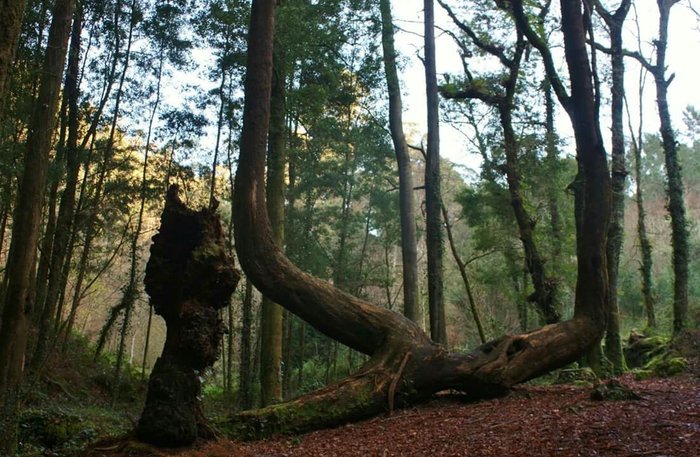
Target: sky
{"type": "Point", "coordinates": [683, 59]}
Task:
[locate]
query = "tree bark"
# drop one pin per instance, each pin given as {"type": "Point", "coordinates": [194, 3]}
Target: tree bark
{"type": "Point", "coordinates": [401, 354]}
{"type": "Point", "coordinates": [433, 221]}
{"type": "Point", "coordinates": [613, 343]}
{"type": "Point", "coordinates": [11, 12]}
{"type": "Point", "coordinates": [271, 319]}
{"type": "Point", "coordinates": [25, 227]}
{"type": "Point", "coordinates": [49, 317]}
{"type": "Point", "coordinates": [409, 250]}
{"type": "Point", "coordinates": [244, 368]}
{"type": "Point", "coordinates": [189, 278]}
{"type": "Point", "coordinates": [676, 201]}
{"type": "Point", "coordinates": [644, 243]}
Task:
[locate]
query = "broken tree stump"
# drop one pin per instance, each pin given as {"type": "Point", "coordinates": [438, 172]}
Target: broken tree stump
{"type": "Point", "coordinates": [190, 276]}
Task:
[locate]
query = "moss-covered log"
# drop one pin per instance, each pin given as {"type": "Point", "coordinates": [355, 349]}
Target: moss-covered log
{"type": "Point", "coordinates": [405, 365]}
{"type": "Point", "coordinates": [189, 277]}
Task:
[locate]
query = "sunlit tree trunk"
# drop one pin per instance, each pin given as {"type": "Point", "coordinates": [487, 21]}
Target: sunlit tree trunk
{"type": "Point", "coordinates": [25, 228]}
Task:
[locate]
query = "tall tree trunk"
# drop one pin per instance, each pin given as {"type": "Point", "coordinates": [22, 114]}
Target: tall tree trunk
{"type": "Point", "coordinates": [676, 203]}
{"type": "Point", "coordinates": [613, 344]}
{"type": "Point", "coordinates": [11, 12]}
{"type": "Point", "coordinates": [409, 250]}
{"type": "Point", "coordinates": [645, 266]}
{"type": "Point", "coordinates": [25, 227]}
{"type": "Point", "coordinates": [399, 350]}
{"type": "Point", "coordinates": [271, 319]}
{"type": "Point", "coordinates": [219, 128]}
{"type": "Point", "coordinates": [99, 192]}
{"type": "Point", "coordinates": [433, 228]}
{"type": "Point", "coordinates": [66, 208]}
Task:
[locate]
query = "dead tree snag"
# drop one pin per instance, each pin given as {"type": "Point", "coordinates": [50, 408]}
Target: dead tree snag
{"type": "Point", "coordinates": [189, 277]}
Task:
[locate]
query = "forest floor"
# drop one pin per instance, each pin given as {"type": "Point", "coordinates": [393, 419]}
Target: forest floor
{"type": "Point", "coordinates": [71, 408]}
{"type": "Point", "coordinates": [555, 420]}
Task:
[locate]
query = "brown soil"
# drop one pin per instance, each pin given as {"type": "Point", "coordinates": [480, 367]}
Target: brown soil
{"type": "Point", "coordinates": [532, 421]}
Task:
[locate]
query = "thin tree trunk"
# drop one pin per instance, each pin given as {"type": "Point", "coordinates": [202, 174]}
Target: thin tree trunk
{"type": "Point", "coordinates": [25, 227]}
{"type": "Point", "coordinates": [131, 292]}
{"type": "Point", "coordinates": [244, 368]}
{"type": "Point", "coordinates": [99, 192]}
{"type": "Point", "coordinates": [147, 342]}
{"type": "Point", "coordinates": [219, 127]}
{"type": "Point", "coordinates": [613, 344]}
{"type": "Point", "coordinates": [645, 249]}
{"type": "Point", "coordinates": [409, 250]}
{"type": "Point", "coordinates": [463, 273]}
{"type": "Point", "coordinates": [433, 230]}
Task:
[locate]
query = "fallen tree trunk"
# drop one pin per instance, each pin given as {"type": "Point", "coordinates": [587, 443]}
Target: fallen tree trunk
{"type": "Point", "coordinates": [189, 277]}
{"type": "Point", "coordinates": [405, 366]}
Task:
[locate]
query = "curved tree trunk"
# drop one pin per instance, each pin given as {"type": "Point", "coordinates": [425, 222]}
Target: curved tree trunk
{"type": "Point", "coordinates": [405, 365]}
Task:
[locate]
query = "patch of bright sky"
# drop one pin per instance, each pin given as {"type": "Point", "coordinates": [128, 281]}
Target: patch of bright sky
{"type": "Point", "coordinates": [682, 59]}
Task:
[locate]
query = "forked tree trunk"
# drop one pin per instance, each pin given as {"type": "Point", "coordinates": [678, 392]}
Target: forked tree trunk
{"type": "Point", "coordinates": [405, 365]}
{"type": "Point", "coordinates": [189, 278]}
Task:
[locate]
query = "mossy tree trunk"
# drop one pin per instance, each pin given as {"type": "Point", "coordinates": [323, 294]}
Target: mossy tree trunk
{"type": "Point", "coordinates": [615, 21]}
{"type": "Point", "coordinates": [433, 199]}
{"type": "Point", "coordinates": [405, 366]}
{"type": "Point", "coordinates": [189, 278]}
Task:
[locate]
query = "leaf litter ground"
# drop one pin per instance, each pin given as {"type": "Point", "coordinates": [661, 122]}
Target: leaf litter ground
{"type": "Point", "coordinates": [559, 420]}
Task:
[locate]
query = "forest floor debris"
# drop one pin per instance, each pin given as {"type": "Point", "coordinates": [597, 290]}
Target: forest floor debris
{"type": "Point", "coordinates": [555, 420]}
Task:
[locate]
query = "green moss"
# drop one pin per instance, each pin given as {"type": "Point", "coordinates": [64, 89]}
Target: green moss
{"type": "Point", "coordinates": [301, 416]}
{"type": "Point", "coordinates": [667, 364]}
